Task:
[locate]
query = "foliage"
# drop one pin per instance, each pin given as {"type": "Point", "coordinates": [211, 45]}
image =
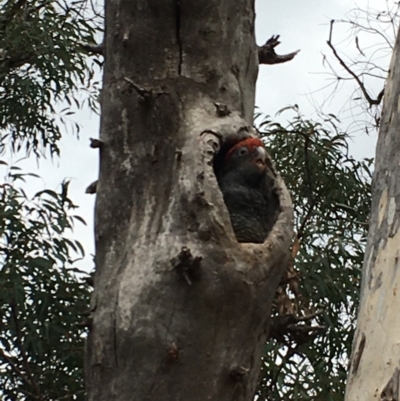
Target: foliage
{"type": "Point", "coordinates": [42, 62]}
{"type": "Point", "coordinates": [316, 303]}
{"type": "Point", "coordinates": [42, 301]}
{"type": "Point", "coordinates": [43, 298]}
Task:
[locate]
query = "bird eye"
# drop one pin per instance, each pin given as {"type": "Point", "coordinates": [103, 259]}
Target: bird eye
{"type": "Point", "coordinates": [243, 151]}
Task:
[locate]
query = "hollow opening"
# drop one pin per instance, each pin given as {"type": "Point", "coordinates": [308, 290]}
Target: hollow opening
{"type": "Point", "coordinates": [246, 179]}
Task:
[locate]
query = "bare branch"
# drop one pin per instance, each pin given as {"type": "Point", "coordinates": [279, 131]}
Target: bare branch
{"type": "Point", "coordinates": [369, 99]}
{"type": "Point", "coordinates": [267, 55]}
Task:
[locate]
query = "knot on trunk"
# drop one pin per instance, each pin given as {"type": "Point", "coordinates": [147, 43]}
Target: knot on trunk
{"type": "Point", "coordinates": [238, 373]}
{"type": "Point", "coordinates": [187, 265]}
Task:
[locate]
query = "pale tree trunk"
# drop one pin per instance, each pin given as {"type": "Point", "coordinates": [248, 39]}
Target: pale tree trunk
{"type": "Point", "coordinates": [180, 309]}
{"type": "Point", "coordinates": [375, 362]}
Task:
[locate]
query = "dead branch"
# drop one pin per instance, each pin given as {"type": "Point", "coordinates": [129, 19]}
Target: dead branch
{"type": "Point", "coordinates": [267, 55]}
{"type": "Point", "coordinates": [368, 98]}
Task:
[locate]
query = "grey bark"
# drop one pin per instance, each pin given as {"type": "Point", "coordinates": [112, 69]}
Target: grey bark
{"type": "Point", "coordinates": [375, 361]}
{"type": "Point", "coordinates": [180, 309]}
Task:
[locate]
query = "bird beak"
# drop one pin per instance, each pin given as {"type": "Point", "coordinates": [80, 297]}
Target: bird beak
{"type": "Point", "coordinates": [261, 157]}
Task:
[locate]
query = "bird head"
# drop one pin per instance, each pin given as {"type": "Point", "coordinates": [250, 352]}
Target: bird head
{"type": "Point", "coordinates": [248, 151]}
{"type": "Point", "coordinates": [247, 160]}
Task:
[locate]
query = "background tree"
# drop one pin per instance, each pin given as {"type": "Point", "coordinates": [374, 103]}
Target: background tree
{"type": "Point", "coordinates": [374, 370]}
{"type": "Point", "coordinates": [42, 300]}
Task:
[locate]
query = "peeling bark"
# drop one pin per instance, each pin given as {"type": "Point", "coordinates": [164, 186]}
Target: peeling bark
{"type": "Point", "coordinates": [374, 372]}
{"type": "Point", "coordinates": [180, 310]}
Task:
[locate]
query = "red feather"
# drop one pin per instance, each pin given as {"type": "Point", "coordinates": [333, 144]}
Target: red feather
{"type": "Point", "coordinates": [251, 143]}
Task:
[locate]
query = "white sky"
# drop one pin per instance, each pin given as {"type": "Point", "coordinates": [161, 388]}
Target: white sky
{"type": "Point", "coordinates": [302, 24]}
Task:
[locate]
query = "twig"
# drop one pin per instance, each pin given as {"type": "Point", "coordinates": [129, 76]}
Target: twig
{"type": "Point", "coordinates": [95, 49]}
{"type": "Point", "coordinates": [354, 75]}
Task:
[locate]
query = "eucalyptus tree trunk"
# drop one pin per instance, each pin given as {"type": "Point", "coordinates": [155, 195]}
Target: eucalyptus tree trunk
{"type": "Point", "coordinates": [375, 362]}
{"type": "Point", "coordinates": [180, 309]}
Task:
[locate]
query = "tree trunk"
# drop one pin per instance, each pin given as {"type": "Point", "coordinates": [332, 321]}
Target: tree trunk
{"type": "Point", "coordinates": [180, 309]}
{"type": "Point", "coordinates": [375, 362]}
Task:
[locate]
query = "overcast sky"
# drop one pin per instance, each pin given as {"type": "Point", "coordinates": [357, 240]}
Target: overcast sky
{"type": "Point", "coordinates": [302, 24]}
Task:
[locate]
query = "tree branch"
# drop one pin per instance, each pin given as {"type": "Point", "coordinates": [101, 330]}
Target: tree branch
{"type": "Point", "coordinates": [9, 63]}
{"type": "Point", "coordinates": [267, 55]}
{"type": "Point", "coordinates": [371, 101]}
{"type": "Point", "coordinates": [95, 49]}
{"type": "Point", "coordinates": [297, 328]}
